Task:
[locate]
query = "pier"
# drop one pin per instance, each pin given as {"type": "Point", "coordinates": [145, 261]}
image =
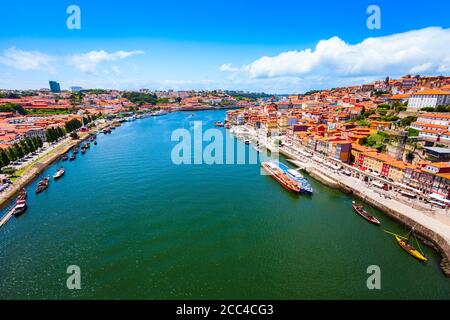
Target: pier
{"type": "Point", "coordinates": [6, 217]}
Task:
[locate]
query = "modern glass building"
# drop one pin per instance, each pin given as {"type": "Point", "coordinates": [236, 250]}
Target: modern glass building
{"type": "Point", "coordinates": [54, 87]}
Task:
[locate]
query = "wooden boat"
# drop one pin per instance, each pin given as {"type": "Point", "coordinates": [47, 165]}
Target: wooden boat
{"type": "Point", "coordinates": [404, 243]}
{"type": "Point", "coordinates": [20, 208]}
{"type": "Point", "coordinates": [42, 185]}
{"type": "Point", "coordinates": [59, 174]}
{"type": "Point", "coordinates": [22, 195]}
{"type": "Point", "coordinates": [363, 213]}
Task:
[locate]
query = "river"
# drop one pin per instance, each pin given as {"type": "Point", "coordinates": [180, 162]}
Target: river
{"type": "Point", "coordinates": [141, 227]}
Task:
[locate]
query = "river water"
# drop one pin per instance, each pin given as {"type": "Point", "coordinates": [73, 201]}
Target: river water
{"type": "Point", "coordinates": [139, 226]}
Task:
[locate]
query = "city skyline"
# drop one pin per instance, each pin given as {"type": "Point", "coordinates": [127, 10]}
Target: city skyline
{"type": "Point", "coordinates": [288, 51]}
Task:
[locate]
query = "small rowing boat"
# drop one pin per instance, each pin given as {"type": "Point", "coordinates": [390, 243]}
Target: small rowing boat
{"type": "Point", "coordinates": [363, 213]}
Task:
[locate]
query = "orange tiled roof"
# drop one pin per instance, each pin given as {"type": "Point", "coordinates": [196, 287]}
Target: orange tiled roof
{"type": "Point", "coordinates": [440, 165]}
{"type": "Point", "coordinates": [431, 92]}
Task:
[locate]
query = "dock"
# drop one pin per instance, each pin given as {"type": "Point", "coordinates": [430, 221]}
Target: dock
{"type": "Point", "coordinates": [6, 217]}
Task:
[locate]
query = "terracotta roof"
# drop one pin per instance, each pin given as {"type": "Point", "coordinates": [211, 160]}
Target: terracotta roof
{"type": "Point", "coordinates": [400, 96]}
{"type": "Point", "coordinates": [440, 165]}
{"type": "Point", "coordinates": [431, 92]}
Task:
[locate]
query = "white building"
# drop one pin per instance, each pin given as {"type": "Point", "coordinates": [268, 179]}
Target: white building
{"type": "Point", "coordinates": [442, 119]}
{"type": "Point", "coordinates": [76, 89]}
{"type": "Point", "coordinates": [428, 98]}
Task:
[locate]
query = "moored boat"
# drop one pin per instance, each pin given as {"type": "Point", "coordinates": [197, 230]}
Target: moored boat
{"type": "Point", "coordinates": [405, 245]}
{"type": "Point", "coordinates": [303, 184]}
{"type": "Point", "coordinates": [83, 150]}
{"type": "Point", "coordinates": [20, 208]}
{"type": "Point", "coordinates": [218, 124]}
{"type": "Point", "coordinates": [22, 195]}
{"type": "Point", "coordinates": [280, 177]}
{"type": "Point", "coordinates": [363, 213]}
{"type": "Point", "coordinates": [73, 157]}
{"type": "Point", "coordinates": [59, 174]}
{"type": "Point", "coordinates": [42, 185]}
{"type": "Point", "coordinates": [65, 157]}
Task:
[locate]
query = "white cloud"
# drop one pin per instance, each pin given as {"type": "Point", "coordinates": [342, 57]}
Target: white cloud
{"type": "Point", "coordinates": [27, 60]}
{"type": "Point", "coordinates": [88, 62]}
{"type": "Point", "coordinates": [227, 67]}
{"type": "Point", "coordinates": [419, 51]}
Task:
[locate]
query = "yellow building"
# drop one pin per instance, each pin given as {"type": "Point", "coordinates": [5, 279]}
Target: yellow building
{"type": "Point", "coordinates": [396, 171]}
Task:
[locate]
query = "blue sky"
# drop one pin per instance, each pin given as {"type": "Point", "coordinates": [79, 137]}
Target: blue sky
{"type": "Point", "coordinates": [219, 44]}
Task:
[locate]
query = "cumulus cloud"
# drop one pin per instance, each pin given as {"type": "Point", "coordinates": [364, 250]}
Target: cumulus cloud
{"type": "Point", "coordinates": [419, 51]}
{"type": "Point", "coordinates": [227, 67]}
{"type": "Point", "coordinates": [27, 60]}
{"type": "Point", "coordinates": [88, 62]}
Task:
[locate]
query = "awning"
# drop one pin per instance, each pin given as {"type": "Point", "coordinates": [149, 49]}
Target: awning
{"type": "Point", "coordinates": [440, 204]}
{"type": "Point", "coordinates": [408, 194]}
{"type": "Point", "coordinates": [378, 184]}
{"type": "Point", "coordinates": [439, 197]}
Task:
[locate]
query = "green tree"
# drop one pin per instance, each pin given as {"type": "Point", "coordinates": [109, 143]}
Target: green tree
{"type": "Point", "coordinates": [408, 120]}
{"type": "Point", "coordinates": [4, 158]}
{"type": "Point", "coordinates": [18, 151]}
{"type": "Point", "coordinates": [11, 154]}
{"type": "Point", "coordinates": [30, 144]}
{"type": "Point", "coordinates": [37, 142]}
{"type": "Point", "coordinates": [413, 132]}
{"type": "Point", "coordinates": [11, 107]}
{"type": "Point", "coordinates": [25, 148]}
{"type": "Point", "coordinates": [72, 125]}
{"type": "Point", "coordinates": [61, 132]}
